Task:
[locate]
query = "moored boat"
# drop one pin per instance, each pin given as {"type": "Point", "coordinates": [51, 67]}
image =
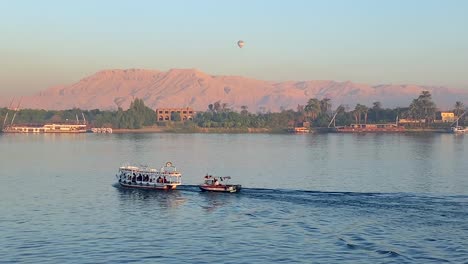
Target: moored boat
{"type": "Point", "coordinates": [143, 177]}
{"type": "Point", "coordinates": [457, 128]}
{"type": "Point", "coordinates": [358, 128]}
{"type": "Point", "coordinates": [219, 184]}
{"type": "Point", "coordinates": [47, 128]}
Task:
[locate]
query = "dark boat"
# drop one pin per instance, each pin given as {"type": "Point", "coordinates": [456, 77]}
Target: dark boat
{"type": "Point", "coordinates": [219, 184]}
{"type": "Point", "coordinates": [358, 128]}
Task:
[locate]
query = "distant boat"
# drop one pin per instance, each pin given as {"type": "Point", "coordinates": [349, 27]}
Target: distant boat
{"type": "Point", "coordinates": [47, 128]}
{"type": "Point", "coordinates": [458, 129]}
{"type": "Point", "coordinates": [363, 128]}
{"type": "Point", "coordinates": [10, 127]}
{"type": "Point", "coordinates": [357, 128]}
{"type": "Point", "coordinates": [299, 130]}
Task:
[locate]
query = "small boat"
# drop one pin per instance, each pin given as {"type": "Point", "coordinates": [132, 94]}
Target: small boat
{"type": "Point", "coordinates": [219, 184]}
{"type": "Point", "coordinates": [457, 128]}
{"type": "Point", "coordinates": [143, 177]}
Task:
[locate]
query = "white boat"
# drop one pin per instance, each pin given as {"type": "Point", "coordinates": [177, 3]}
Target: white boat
{"type": "Point", "coordinates": [458, 129]}
{"type": "Point", "coordinates": [143, 177]}
{"type": "Point", "coordinates": [219, 184]}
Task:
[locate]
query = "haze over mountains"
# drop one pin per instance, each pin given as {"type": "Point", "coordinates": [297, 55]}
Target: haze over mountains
{"type": "Point", "coordinates": [109, 89]}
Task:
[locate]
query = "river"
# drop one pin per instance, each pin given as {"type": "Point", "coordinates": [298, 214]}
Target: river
{"type": "Point", "coordinates": [316, 198]}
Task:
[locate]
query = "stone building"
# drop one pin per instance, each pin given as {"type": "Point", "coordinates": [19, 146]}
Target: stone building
{"type": "Point", "coordinates": [166, 114]}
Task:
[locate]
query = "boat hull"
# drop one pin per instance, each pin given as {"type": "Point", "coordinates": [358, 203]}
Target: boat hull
{"type": "Point", "coordinates": [459, 130]}
{"type": "Point", "coordinates": [221, 188]}
{"type": "Point", "coordinates": [148, 186]}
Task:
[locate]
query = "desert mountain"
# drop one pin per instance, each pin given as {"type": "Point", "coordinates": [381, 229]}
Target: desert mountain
{"type": "Point", "coordinates": [110, 89]}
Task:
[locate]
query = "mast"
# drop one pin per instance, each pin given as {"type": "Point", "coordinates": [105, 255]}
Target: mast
{"type": "Point", "coordinates": [456, 121]}
{"type": "Point", "coordinates": [333, 120]}
{"type": "Point", "coordinates": [6, 115]}
{"type": "Point", "coordinates": [16, 111]}
{"type": "Point", "coordinates": [334, 116]}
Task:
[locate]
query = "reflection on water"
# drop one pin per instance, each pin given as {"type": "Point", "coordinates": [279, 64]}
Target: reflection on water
{"type": "Point", "coordinates": [150, 198]}
{"type": "Point", "coordinates": [212, 201]}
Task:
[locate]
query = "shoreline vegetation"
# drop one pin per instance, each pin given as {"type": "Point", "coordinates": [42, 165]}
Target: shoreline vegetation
{"type": "Point", "coordinates": [317, 115]}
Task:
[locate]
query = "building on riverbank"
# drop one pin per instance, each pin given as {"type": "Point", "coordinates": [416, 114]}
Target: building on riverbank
{"type": "Point", "coordinates": [168, 114]}
{"type": "Point", "coordinates": [445, 117]}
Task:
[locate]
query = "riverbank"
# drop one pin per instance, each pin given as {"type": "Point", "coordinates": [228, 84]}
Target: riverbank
{"type": "Point", "coordinates": [223, 130]}
{"type": "Point", "coordinates": [214, 130]}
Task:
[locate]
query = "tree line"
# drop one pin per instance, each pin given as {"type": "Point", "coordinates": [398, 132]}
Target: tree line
{"type": "Point", "coordinates": [318, 112]}
{"type": "Point", "coordinates": [137, 116]}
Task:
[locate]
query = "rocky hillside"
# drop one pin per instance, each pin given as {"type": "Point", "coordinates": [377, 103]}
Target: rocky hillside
{"type": "Point", "coordinates": [109, 89]}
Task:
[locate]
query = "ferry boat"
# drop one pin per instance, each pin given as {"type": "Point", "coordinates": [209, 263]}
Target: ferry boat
{"type": "Point", "coordinates": [219, 184]}
{"type": "Point", "coordinates": [143, 177]}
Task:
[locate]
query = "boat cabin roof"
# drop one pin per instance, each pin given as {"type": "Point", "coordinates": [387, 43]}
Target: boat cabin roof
{"type": "Point", "coordinates": [211, 177]}
{"type": "Point", "coordinates": [164, 171]}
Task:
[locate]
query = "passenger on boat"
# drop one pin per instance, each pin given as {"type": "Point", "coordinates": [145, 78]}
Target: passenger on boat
{"type": "Point", "coordinates": [216, 181]}
{"type": "Point", "coordinates": [165, 180]}
{"type": "Point", "coordinates": [158, 180]}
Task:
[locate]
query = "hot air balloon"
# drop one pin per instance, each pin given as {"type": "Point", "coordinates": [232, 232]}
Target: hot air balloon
{"type": "Point", "coordinates": [240, 43]}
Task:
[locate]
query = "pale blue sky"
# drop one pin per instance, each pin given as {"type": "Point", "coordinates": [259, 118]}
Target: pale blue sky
{"type": "Point", "coordinates": [45, 43]}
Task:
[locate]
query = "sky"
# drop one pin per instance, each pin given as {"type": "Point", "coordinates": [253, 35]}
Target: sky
{"type": "Point", "coordinates": [47, 43]}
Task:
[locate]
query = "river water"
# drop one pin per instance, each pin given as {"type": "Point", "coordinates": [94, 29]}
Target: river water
{"type": "Point", "coordinates": [326, 198]}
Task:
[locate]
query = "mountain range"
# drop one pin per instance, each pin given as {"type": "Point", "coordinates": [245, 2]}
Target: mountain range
{"type": "Point", "coordinates": [109, 89]}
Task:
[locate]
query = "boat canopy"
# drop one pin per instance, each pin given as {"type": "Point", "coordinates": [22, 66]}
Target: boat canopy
{"type": "Point", "coordinates": [209, 177]}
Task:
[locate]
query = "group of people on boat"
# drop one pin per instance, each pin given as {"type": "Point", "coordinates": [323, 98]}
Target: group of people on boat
{"type": "Point", "coordinates": [219, 184]}
{"type": "Point", "coordinates": [211, 179]}
{"type": "Point", "coordinates": [142, 178]}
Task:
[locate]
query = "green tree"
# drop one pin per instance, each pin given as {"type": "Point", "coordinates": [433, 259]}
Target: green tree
{"type": "Point", "coordinates": [423, 107]}
{"type": "Point", "coordinates": [313, 108]}
{"type": "Point", "coordinates": [376, 108]}
{"type": "Point", "coordinates": [458, 108]}
{"type": "Point", "coordinates": [325, 105]}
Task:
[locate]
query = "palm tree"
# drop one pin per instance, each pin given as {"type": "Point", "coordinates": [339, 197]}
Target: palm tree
{"type": "Point", "coordinates": [428, 106]}
{"type": "Point", "coordinates": [423, 107]}
{"type": "Point", "coordinates": [365, 110]}
{"type": "Point", "coordinates": [325, 105]}
{"type": "Point", "coordinates": [358, 111]}
{"type": "Point", "coordinates": [357, 116]}
{"type": "Point", "coordinates": [458, 108]}
{"type": "Point", "coordinates": [377, 107]}
{"type": "Point", "coordinates": [313, 108]}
